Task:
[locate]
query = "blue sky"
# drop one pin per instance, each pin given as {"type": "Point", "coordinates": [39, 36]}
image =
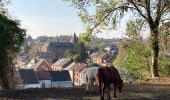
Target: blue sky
{"type": "Point", "coordinates": [48, 17]}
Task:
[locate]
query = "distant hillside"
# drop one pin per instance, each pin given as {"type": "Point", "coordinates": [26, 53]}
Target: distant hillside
{"type": "Point", "coordinates": [102, 43]}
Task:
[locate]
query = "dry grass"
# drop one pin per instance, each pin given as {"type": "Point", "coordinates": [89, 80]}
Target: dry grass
{"type": "Point", "coordinates": [155, 89]}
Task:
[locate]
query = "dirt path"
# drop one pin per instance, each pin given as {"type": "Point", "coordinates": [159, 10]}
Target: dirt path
{"type": "Point", "coordinates": [144, 90]}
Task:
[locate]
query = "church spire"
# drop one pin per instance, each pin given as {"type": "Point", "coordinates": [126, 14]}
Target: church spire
{"type": "Point", "coordinates": [74, 38]}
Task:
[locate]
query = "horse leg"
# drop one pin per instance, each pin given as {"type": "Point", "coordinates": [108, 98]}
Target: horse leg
{"type": "Point", "coordinates": [115, 85]}
{"type": "Point", "coordinates": [103, 92]}
{"type": "Point", "coordinates": [92, 87]}
{"type": "Point", "coordinates": [87, 87]}
{"type": "Point", "coordinates": [109, 98]}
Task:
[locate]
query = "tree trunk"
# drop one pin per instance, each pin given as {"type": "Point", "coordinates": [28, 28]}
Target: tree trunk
{"type": "Point", "coordinates": [5, 82]}
{"type": "Point", "coordinates": [4, 70]}
{"type": "Point", "coordinates": [155, 48]}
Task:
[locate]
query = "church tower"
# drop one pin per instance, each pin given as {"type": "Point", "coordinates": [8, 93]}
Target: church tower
{"type": "Point", "coordinates": [74, 38]}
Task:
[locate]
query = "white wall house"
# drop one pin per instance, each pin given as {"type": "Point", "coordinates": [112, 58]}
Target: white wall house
{"type": "Point", "coordinates": [26, 86]}
{"type": "Point", "coordinates": [45, 83]}
{"type": "Point", "coordinates": [28, 79]}
{"type": "Point", "coordinates": [44, 78]}
{"type": "Point", "coordinates": [62, 84]}
{"type": "Point", "coordinates": [61, 79]}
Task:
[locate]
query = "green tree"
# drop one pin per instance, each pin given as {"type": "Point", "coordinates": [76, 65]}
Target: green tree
{"type": "Point", "coordinates": [80, 54]}
{"type": "Point", "coordinates": [11, 39]}
{"type": "Point", "coordinates": [164, 57]}
{"type": "Point", "coordinates": [151, 13]}
{"type": "Point", "coordinates": [134, 54]}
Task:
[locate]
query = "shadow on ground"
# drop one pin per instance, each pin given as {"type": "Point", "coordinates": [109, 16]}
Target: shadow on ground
{"type": "Point", "coordinates": [136, 91]}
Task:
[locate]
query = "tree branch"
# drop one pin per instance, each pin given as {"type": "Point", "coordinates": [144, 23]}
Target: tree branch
{"type": "Point", "coordinates": [148, 10]}
{"type": "Point", "coordinates": [158, 17]}
{"type": "Point", "coordinates": [137, 9]}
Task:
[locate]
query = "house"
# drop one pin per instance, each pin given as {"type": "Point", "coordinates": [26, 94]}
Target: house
{"type": "Point", "coordinates": [44, 78]}
{"type": "Point", "coordinates": [22, 60]}
{"type": "Point", "coordinates": [46, 55]}
{"type": "Point", "coordinates": [69, 68]}
{"type": "Point", "coordinates": [77, 75]}
{"type": "Point", "coordinates": [42, 64]}
{"type": "Point", "coordinates": [31, 63]}
{"type": "Point", "coordinates": [100, 57]}
{"type": "Point", "coordinates": [82, 76]}
{"type": "Point", "coordinates": [37, 46]}
{"type": "Point", "coordinates": [60, 48]}
{"type": "Point", "coordinates": [112, 50]}
{"type": "Point", "coordinates": [61, 79]}
{"type": "Point", "coordinates": [28, 79]}
{"type": "Point", "coordinates": [61, 64]}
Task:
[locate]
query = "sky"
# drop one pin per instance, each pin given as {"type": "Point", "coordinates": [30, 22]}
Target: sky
{"type": "Point", "coordinates": [50, 18]}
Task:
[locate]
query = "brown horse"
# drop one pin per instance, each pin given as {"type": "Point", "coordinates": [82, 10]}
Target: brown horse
{"type": "Point", "coordinates": [105, 76]}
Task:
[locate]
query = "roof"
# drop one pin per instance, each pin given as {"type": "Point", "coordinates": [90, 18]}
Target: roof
{"type": "Point", "coordinates": [84, 71]}
{"type": "Point", "coordinates": [24, 58]}
{"type": "Point", "coordinates": [64, 62]}
{"type": "Point", "coordinates": [44, 54]}
{"type": "Point", "coordinates": [28, 76]}
{"type": "Point", "coordinates": [58, 61]}
{"type": "Point", "coordinates": [63, 45]}
{"type": "Point", "coordinates": [43, 75]}
{"type": "Point", "coordinates": [99, 54]}
{"type": "Point", "coordinates": [79, 67]}
{"type": "Point", "coordinates": [69, 66]}
{"type": "Point", "coordinates": [60, 75]}
{"type": "Point", "coordinates": [39, 62]}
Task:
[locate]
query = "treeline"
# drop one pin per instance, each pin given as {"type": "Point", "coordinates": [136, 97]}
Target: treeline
{"type": "Point", "coordinates": [136, 53]}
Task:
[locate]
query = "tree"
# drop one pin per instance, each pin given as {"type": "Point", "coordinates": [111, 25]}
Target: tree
{"type": "Point", "coordinates": [11, 39]}
{"type": "Point", "coordinates": [80, 54]}
{"type": "Point", "coordinates": [151, 13]}
{"type": "Point", "coordinates": [134, 55]}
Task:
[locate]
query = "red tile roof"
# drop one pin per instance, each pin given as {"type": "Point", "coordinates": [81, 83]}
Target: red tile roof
{"type": "Point", "coordinates": [84, 71]}
{"type": "Point", "coordinates": [99, 54]}
{"type": "Point", "coordinates": [78, 67]}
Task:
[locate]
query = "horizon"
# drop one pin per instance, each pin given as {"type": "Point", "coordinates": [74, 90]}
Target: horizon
{"type": "Point", "coordinates": [47, 19]}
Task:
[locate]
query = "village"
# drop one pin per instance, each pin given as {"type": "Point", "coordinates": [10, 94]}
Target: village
{"type": "Point", "coordinates": [84, 49]}
{"type": "Point", "coordinates": [47, 68]}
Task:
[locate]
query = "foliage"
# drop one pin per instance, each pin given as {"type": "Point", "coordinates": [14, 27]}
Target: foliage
{"type": "Point", "coordinates": [94, 64]}
{"type": "Point", "coordinates": [149, 14]}
{"type": "Point", "coordinates": [134, 55]}
{"type": "Point", "coordinates": [80, 54]}
{"type": "Point", "coordinates": [165, 37]}
{"type": "Point", "coordinates": [11, 38]}
{"type": "Point", "coordinates": [164, 64]}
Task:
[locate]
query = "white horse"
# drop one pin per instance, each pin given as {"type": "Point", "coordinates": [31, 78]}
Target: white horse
{"type": "Point", "coordinates": [91, 78]}
{"type": "Point", "coordinates": [125, 75]}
